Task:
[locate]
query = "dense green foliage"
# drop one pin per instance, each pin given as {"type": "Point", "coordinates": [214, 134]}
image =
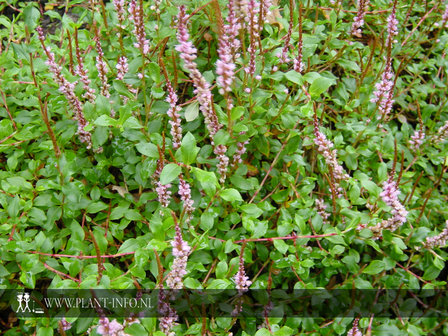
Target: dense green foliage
{"type": "Point", "coordinates": [58, 198]}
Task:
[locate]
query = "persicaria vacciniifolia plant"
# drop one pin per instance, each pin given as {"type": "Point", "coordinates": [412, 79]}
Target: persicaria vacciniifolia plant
{"type": "Point", "coordinates": [227, 146]}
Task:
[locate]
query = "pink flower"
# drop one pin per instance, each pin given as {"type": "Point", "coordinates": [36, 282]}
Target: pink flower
{"type": "Point", "coordinates": [173, 113]}
{"type": "Point", "coordinates": [228, 45]}
{"type": "Point", "coordinates": [283, 56]}
{"type": "Point", "coordinates": [102, 69]}
{"type": "Point", "coordinates": [241, 149]}
{"type": "Point", "coordinates": [110, 328]}
{"type": "Point", "coordinates": [354, 331]}
{"type": "Point", "coordinates": [164, 194]}
{"type": "Point", "coordinates": [232, 30]}
{"type": "Point", "coordinates": [438, 240]}
{"type": "Point", "coordinates": [168, 315]}
{"type": "Point", "coordinates": [122, 67]}
{"type": "Point", "coordinates": [65, 324]}
{"type": "Point", "coordinates": [119, 9]}
{"type": "Point", "coordinates": [442, 133]}
{"type": "Point", "coordinates": [325, 147]}
{"type": "Point", "coordinates": [358, 21]}
{"type": "Point", "coordinates": [417, 139]}
{"type": "Point", "coordinates": [385, 89]}
{"type": "Point", "coordinates": [242, 281]}
{"type": "Point", "coordinates": [220, 151]}
{"type": "Point", "coordinates": [253, 9]}
{"type": "Point", "coordinates": [136, 16]}
{"type": "Point", "coordinates": [83, 75]}
{"type": "Point", "coordinates": [156, 6]}
{"type": "Point", "coordinates": [444, 22]}
{"type": "Point", "coordinates": [185, 196]}
{"type": "Point", "coordinates": [320, 206]}
{"type": "Point", "coordinates": [265, 7]}
{"type": "Point", "coordinates": [202, 87]}
{"type": "Point", "coordinates": [181, 249]}
{"type": "Point", "coordinates": [68, 89]}
{"type": "Point", "coordinates": [299, 66]}
{"type": "Point", "coordinates": [390, 196]}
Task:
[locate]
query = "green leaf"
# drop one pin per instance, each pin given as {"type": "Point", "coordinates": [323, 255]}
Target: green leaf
{"type": "Point", "coordinates": [431, 273]}
{"type": "Point", "coordinates": [284, 331]}
{"type": "Point", "coordinates": [252, 210]}
{"type": "Point", "coordinates": [221, 269]}
{"type": "Point", "coordinates": [133, 215]}
{"type": "Point", "coordinates": [371, 187]}
{"type": "Point", "coordinates": [14, 207]}
{"type": "Point", "coordinates": [32, 16]}
{"type": "Point", "coordinates": [237, 112]}
{"type": "Point", "coordinates": [192, 283]}
{"type": "Point", "coordinates": [20, 182]}
{"type": "Point", "coordinates": [294, 77]}
{"type": "Point", "coordinates": [192, 111]}
{"type": "Point", "coordinates": [132, 123]}
{"type": "Point", "coordinates": [135, 329]}
{"type": "Point", "coordinates": [257, 228]}
{"type": "Point", "coordinates": [219, 284]}
{"type": "Point", "coordinates": [221, 137]}
{"type": "Point", "coordinates": [208, 180]}
{"type": "Point", "coordinates": [130, 245]}
{"type": "Point", "coordinates": [375, 267]}
{"type": "Point", "coordinates": [263, 332]}
{"type": "Point", "coordinates": [169, 173]}
{"type": "Point", "coordinates": [194, 329]}
{"type": "Point", "coordinates": [207, 221]}
{"type": "Point", "coordinates": [96, 207]}
{"type": "Point", "coordinates": [102, 106]}
{"type": "Point", "coordinates": [105, 120]}
{"type": "Point", "coordinates": [154, 71]}
{"type": "Point", "coordinates": [189, 149]}
{"type": "Point", "coordinates": [3, 271]}
{"type": "Point", "coordinates": [100, 240]}
{"type": "Point", "coordinates": [281, 246]}
{"type": "Point", "coordinates": [148, 149]}
{"type": "Point", "coordinates": [320, 85]}
{"type": "Point", "coordinates": [157, 92]}
{"type": "Point", "coordinates": [231, 195]}
{"type": "Point", "coordinates": [45, 331]}
{"type": "Point", "coordinates": [382, 171]}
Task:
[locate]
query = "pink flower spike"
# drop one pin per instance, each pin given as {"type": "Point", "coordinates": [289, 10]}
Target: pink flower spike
{"type": "Point", "coordinates": [390, 196]}
{"type": "Point", "coordinates": [358, 21]}
{"type": "Point", "coordinates": [164, 194]}
{"type": "Point", "coordinates": [102, 69]}
{"type": "Point", "coordinates": [68, 89]}
{"type": "Point", "coordinates": [119, 9]}
{"type": "Point", "coordinates": [181, 249]}
{"type": "Point", "coordinates": [438, 240]}
{"type": "Point", "coordinates": [173, 113]}
{"type": "Point", "coordinates": [325, 148]}
{"type": "Point", "coordinates": [185, 196]}
{"type": "Point", "coordinates": [242, 281]}
{"type": "Point", "coordinates": [136, 16]}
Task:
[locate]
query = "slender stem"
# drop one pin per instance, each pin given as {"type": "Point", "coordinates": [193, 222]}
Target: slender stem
{"type": "Point", "coordinates": [118, 255]}
{"type": "Point", "coordinates": [7, 109]}
{"type": "Point", "coordinates": [284, 238]}
{"type": "Point", "coordinates": [62, 274]}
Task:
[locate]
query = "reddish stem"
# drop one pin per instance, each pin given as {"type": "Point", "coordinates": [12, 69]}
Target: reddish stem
{"type": "Point", "coordinates": [61, 273]}
{"type": "Point", "coordinates": [81, 257]}
{"type": "Point", "coordinates": [285, 238]}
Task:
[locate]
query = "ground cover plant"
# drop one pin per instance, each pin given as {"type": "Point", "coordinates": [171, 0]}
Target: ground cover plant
{"type": "Point", "coordinates": [223, 145]}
